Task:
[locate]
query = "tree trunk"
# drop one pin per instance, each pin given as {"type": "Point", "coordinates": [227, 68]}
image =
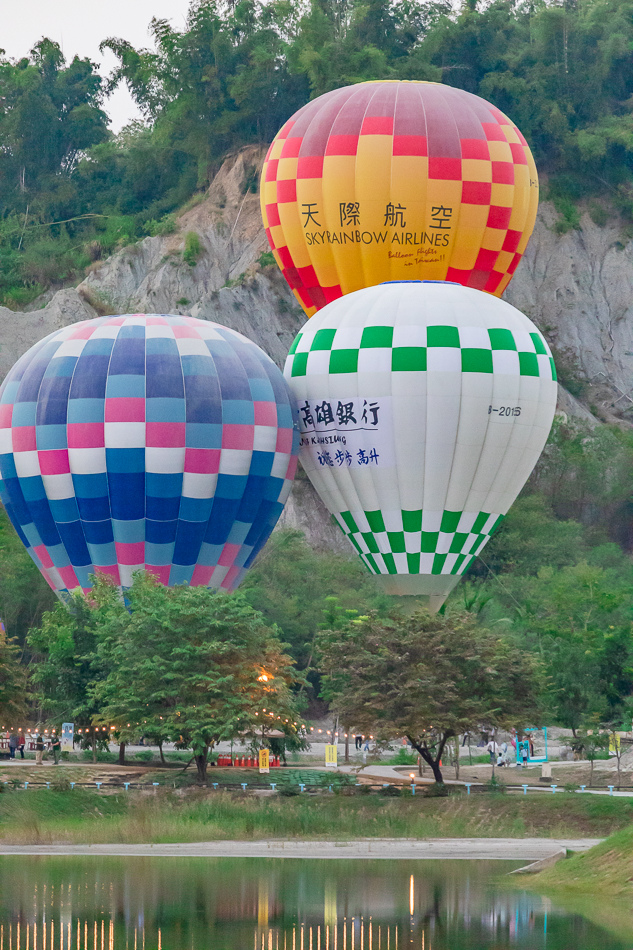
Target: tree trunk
{"type": "Point", "coordinates": [434, 763]}
{"type": "Point", "coordinates": [94, 746]}
{"type": "Point", "coordinates": [457, 758]}
{"type": "Point", "coordinates": [162, 754]}
{"type": "Point", "coordinates": [347, 747]}
{"type": "Point", "coordinates": [122, 753]}
{"type": "Point", "coordinates": [201, 764]}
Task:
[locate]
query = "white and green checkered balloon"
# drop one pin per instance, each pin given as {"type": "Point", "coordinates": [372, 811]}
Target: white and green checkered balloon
{"type": "Point", "coordinates": [423, 407]}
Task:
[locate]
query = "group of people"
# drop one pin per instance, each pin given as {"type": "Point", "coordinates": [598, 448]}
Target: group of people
{"type": "Point", "coordinates": [500, 754]}
{"type": "Point", "coordinates": [18, 742]}
{"type": "Point", "coordinates": [358, 741]}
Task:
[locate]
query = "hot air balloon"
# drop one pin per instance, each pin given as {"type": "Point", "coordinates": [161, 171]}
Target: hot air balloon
{"type": "Point", "coordinates": [423, 407]}
{"type": "Point", "coordinates": [395, 180]}
{"type": "Point", "coordinates": [153, 442]}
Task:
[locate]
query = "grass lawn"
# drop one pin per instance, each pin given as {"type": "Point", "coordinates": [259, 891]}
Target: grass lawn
{"type": "Point", "coordinates": [607, 867]}
{"type": "Point", "coordinates": [82, 815]}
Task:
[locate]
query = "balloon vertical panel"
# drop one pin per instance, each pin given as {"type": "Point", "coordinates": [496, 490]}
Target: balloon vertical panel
{"type": "Point", "coordinates": [145, 442]}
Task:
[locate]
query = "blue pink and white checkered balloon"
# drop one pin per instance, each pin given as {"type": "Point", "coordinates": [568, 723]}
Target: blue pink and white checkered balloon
{"type": "Point", "coordinates": [150, 442]}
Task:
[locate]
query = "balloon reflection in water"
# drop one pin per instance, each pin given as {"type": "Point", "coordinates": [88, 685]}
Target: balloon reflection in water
{"type": "Point", "coordinates": [272, 904]}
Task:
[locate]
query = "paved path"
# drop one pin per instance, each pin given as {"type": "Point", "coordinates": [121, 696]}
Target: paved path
{"type": "Point", "coordinates": [387, 773]}
{"type": "Point", "coordinates": [498, 849]}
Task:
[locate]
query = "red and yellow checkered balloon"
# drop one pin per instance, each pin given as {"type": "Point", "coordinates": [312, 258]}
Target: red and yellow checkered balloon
{"type": "Point", "coordinates": [397, 181]}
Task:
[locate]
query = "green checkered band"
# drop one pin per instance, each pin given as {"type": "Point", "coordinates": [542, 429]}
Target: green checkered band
{"type": "Point", "coordinates": [402, 350]}
{"type": "Point", "coordinates": [450, 549]}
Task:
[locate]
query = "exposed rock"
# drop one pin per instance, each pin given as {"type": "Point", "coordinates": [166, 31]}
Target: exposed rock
{"type": "Point", "coordinates": [19, 331]}
{"type": "Point", "coordinates": [227, 283]}
{"type": "Point", "coordinates": [570, 407]}
{"type": "Point", "coordinates": [306, 512]}
{"type": "Point", "coordinates": [578, 288]}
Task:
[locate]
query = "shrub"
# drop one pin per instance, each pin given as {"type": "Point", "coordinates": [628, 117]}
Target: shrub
{"type": "Point", "coordinates": [436, 790]}
{"type": "Point", "coordinates": [266, 259]}
{"type": "Point", "coordinates": [193, 248]}
{"type": "Point", "coordinates": [402, 757]}
{"type": "Point", "coordinates": [390, 791]}
{"type": "Point", "coordinates": [162, 227]}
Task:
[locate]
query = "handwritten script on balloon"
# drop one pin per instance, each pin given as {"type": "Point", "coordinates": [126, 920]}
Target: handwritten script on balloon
{"type": "Point", "coordinates": [356, 429]}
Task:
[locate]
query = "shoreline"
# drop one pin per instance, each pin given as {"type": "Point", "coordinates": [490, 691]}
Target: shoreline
{"type": "Point", "coordinates": [481, 849]}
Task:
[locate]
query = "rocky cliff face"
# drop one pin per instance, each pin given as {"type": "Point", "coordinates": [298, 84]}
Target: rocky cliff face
{"type": "Point", "coordinates": [577, 287]}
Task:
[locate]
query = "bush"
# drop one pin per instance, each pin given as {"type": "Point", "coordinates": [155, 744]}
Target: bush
{"type": "Point", "coordinates": [436, 790]}
{"type": "Point", "coordinates": [162, 227]}
{"type": "Point", "coordinates": [402, 757]}
{"type": "Point", "coordinates": [193, 248]}
{"type": "Point", "coordinates": [496, 787]}
{"type": "Point", "coordinates": [266, 259]}
{"type": "Point", "coordinates": [391, 791]}
{"type": "Point", "coordinates": [145, 756]}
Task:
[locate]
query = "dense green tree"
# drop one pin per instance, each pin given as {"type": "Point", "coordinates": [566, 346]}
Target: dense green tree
{"type": "Point", "coordinates": [193, 665]}
{"type": "Point", "coordinates": [24, 594]}
{"type": "Point", "coordinates": [13, 682]}
{"type": "Point", "coordinates": [67, 666]}
{"type": "Point", "coordinates": [49, 114]}
{"type": "Point", "coordinates": [578, 620]}
{"type": "Point", "coordinates": [292, 584]}
{"type": "Point", "coordinates": [429, 678]}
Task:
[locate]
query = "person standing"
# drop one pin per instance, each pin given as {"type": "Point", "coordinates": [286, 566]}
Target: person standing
{"type": "Point", "coordinates": [56, 746]}
{"type": "Point", "coordinates": [21, 744]}
{"type": "Point", "coordinates": [13, 744]}
{"type": "Point", "coordinates": [524, 753]}
{"type": "Point", "coordinates": [39, 750]}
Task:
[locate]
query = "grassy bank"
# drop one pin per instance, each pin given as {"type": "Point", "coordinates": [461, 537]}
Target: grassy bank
{"type": "Point", "coordinates": [608, 867]}
{"type": "Point", "coordinates": [85, 816]}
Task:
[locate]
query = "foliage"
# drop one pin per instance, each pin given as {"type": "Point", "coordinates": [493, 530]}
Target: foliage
{"type": "Point", "coordinates": [24, 594]}
{"type": "Point", "coordinates": [429, 678]}
{"type": "Point", "coordinates": [293, 585]}
{"type": "Point", "coordinates": [67, 665]}
{"type": "Point", "coordinates": [193, 248]}
{"type": "Point", "coordinates": [13, 681]}
{"type": "Point", "coordinates": [192, 665]}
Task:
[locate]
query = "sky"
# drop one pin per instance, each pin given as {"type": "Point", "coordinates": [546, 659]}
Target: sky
{"type": "Point", "coordinates": [80, 25]}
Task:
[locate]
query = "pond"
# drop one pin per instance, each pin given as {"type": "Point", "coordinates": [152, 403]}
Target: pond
{"type": "Point", "coordinates": [97, 903]}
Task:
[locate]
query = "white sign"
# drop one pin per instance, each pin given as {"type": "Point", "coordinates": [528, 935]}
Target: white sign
{"type": "Point", "coordinates": [349, 432]}
{"type": "Point", "coordinates": [68, 735]}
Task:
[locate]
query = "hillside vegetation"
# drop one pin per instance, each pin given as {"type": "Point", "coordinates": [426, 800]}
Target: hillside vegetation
{"type": "Point", "coordinates": [71, 192]}
{"type": "Point", "coordinates": [606, 867]}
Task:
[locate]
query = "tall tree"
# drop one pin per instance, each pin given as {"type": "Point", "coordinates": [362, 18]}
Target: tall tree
{"type": "Point", "coordinates": [429, 678]}
{"type": "Point", "coordinates": [67, 665]}
{"type": "Point", "coordinates": [13, 681]}
{"type": "Point", "coordinates": [194, 665]}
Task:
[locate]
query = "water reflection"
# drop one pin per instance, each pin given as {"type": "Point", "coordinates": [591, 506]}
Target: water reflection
{"type": "Point", "coordinates": [239, 904]}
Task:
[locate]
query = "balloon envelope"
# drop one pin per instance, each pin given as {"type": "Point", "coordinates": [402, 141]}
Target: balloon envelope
{"type": "Point", "coordinates": [397, 180]}
{"type": "Point", "coordinates": [423, 408]}
{"type": "Point", "coordinates": [145, 442]}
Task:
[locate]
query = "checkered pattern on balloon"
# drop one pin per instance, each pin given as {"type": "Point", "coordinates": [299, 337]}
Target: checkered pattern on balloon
{"type": "Point", "coordinates": [158, 443]}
